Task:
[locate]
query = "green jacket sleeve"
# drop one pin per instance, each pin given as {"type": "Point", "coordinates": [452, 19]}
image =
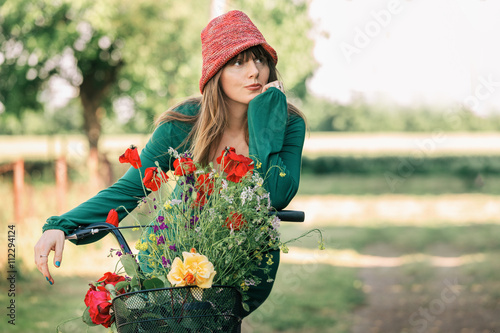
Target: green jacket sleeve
{"type": "Point", "coordinates": [128, 190]}
{"type": "Point", "coordinates": [276, 140]}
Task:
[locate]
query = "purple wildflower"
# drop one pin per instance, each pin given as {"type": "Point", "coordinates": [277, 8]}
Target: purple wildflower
{"type": "Point", "coordinates": [165, 262]}
{"type": "Point", "coordinates": [190, 179]}
{"type": "Point", "coordinates": [119, 254]}
{"type": "Point", "coordinates": [163, 226]}
{"type": "Point", "coordinates": [156, 228]}
{"type": "Point", "coordinates": [172, 247]}
{"type": "Point", "coordinates": [160, 219]}
{"type": "Point", "coordinates": [161, 240]}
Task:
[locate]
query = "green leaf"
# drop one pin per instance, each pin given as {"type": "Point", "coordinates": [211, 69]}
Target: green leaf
{"type": "Point", "coordinates": [192, 324]}
{"type": "Point", "coordinates": [86, 318]}
{"type": "Point", "coordinates": [134, 284]}
{"type": "Point", "coordinates": [120, 308]}
{"type": "Point", "coordinates": [130, 265]}
{"type": "Point", "coordinates": [109, 287]}
{"type": "Point", "coordinates": [122, 285]}
{"type": "Point", "coordinates": [135, 302]}
{"type": "Point", "coordinates": [153, 283]}
{"type": "Point", "coordinates": [245, 307]}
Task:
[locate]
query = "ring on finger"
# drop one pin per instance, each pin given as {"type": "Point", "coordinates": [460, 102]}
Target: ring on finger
{"type": "Point", "coordinates": [43, 255]}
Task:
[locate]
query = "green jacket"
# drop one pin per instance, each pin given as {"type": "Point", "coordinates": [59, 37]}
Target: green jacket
{"type": "Point", "coordinates": [275, 139]}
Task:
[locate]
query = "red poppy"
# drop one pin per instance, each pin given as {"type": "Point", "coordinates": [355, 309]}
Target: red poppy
{"type": "Point", "coordinates": [131, 156]}
{"type": "Point", "coordinates": [239, 171]}
{"type": "Point", "coordinates": [235, 165]}
{"type": "Point", "coordinates": [225, 160]}
{"type": "Point", "coordinates": [205, 184]}
{"type": "Point", "coordinates": [184, 166]}
{"type": "Point", "coordinates": [112, 218]}
{"type": "Point", "coordinates": [235, 221]}
{"type": "Point", "coordinates": [201, 199]}
{"type": "Point", "coordinates": [153, 178]}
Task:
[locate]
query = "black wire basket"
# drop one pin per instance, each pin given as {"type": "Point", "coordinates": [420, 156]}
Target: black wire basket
{"type": "Point", "coordinates": [179, 309]}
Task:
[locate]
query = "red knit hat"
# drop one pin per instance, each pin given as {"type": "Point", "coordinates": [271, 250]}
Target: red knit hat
{"type": "Point", "coordinates": [225, 37]}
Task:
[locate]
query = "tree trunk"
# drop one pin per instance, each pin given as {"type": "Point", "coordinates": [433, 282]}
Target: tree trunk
{"type": "Point", "coordinates": [93, 90]}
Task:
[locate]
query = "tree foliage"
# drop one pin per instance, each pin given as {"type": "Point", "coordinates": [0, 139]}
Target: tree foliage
{"type": "Point", "coordinates": [361, 116]}
{"type": "Point", "coordinates": [127, 60]}
{"type": "Point", "coordinates": [140, 53]}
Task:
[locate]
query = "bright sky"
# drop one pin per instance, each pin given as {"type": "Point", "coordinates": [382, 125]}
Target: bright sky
{"type": "Point", "coordinates": [409, 51]}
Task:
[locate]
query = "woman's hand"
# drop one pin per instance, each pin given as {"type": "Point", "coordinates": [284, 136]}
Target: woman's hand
{"type": "Point", "coordinates": [276, 84]}
{"type": "Point", "coordinates": [51, 240]}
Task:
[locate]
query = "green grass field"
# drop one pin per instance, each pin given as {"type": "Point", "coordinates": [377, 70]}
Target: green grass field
{"type": "Point", "coordinates": [376, 184]}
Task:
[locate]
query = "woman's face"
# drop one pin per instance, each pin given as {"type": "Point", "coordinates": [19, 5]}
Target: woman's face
{"type": "Point", "coordinates": [243, 79]}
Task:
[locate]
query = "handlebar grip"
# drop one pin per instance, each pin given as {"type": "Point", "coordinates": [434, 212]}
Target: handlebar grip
{"type": "Point", "coordinates": [291, 215]}
{"type": "Point", "coordinates": [100, 227]}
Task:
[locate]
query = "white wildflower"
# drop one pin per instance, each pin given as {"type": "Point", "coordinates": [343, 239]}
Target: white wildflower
{"type": "Point", "coordinates": [257, 180]}
{"type": "Point", "coordinates": [247, 193]}
{"type": "Point", "coordinates": [174, 202]}
{"type": "Point", "coordinates": [250, 282]}
{"type": "Point", "coordinates": [173, 152]}
{"type": "Point", "coordinates": [243, 197]}
{"type": "Point", "coordinates": [229, 199]}
{"type": "Point", "coordinates": [266, 196]}
{"type": "Point", "coordinates": [275, 222]}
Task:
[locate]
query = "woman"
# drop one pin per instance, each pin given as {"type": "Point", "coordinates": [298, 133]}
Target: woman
{"type": "Point", "coordinates": [242, 106]}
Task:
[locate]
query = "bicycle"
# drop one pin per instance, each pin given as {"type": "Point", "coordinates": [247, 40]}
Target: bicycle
{"type": "Point", "coordinates": [175, 309]}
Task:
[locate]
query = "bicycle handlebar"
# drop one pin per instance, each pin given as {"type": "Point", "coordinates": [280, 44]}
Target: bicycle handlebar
{"type": "Point", "coordinates": [290, 215]}
{"type": "Point", "coordinates": [83, 232]}
{"type": "Point", "coordinates": [94, 228]}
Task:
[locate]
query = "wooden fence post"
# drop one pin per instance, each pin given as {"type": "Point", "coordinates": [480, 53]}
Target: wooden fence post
{"type": "Point", "coordinates": [19, 191]}
{"type": "Point", "coordinates": [61, 183]}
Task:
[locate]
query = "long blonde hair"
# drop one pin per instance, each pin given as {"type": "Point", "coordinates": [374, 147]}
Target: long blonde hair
{"type": "Point", "coordinates": [209, 123]}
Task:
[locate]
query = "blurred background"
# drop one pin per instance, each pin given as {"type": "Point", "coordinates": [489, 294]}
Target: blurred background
{"type": "Point", "coordinates": [400, 170]}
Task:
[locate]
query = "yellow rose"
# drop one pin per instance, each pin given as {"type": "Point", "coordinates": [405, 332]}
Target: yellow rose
{"type": "Point", "coordinates": [195, 270]}
{"type": "Point", "coordinates": [177, 273]}
{"type": "Point", "coordinates": [201, 269]}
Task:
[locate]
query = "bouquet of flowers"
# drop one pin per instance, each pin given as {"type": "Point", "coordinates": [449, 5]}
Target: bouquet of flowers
{"type": "Point", "coordinates": [207, 227]}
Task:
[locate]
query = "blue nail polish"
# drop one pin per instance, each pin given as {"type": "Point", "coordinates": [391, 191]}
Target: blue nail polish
{"type": "Point", "coordinates": [50, 282]}
{"type": "Point", "coordinates": [58, 263]}
{"type": "Point", "coordinates": [47, 278]}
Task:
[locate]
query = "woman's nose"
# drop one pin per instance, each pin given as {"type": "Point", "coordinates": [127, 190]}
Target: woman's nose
{"type": "Point", "coordinates": [253, 70]}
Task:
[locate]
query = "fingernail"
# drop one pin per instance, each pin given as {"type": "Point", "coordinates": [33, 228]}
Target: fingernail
{"type": "Point", "coordinates": [50, 282]}
{"type": "Point", "coordinates": [58, 263]}
{"type": "Point", "coordinates": [47, 278]}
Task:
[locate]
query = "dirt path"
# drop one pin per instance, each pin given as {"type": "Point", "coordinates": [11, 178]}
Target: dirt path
{"type": "Point", "coordinates": [425, 298]}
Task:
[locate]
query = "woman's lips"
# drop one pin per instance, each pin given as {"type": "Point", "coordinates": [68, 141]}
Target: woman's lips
{"type": "Point", "coordinates": [254, 87]}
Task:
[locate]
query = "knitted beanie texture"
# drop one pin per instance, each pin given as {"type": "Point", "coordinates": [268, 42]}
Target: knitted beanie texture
{"type": "Point", "coordinates": [225, 37]}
